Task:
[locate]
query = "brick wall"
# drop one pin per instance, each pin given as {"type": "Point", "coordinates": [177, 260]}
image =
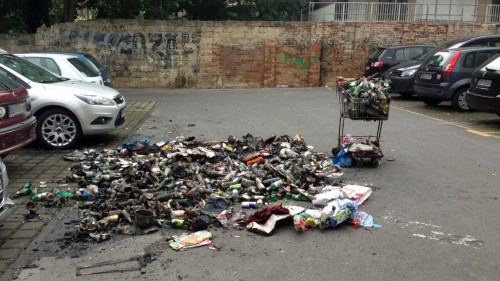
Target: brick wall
{"type": "Point", "coordinates": [169, 54]}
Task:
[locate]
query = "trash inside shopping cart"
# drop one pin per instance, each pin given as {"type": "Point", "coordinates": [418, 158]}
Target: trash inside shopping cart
{"type": "Point", "coordinates": [364, 99]}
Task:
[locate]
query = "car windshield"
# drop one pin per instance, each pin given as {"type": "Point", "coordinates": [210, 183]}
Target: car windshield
{"type": "Point", "coordinates": [7, 84]}
{"type": "Point", "coordinates": [29, 70]}
{"type": "Point", "coordinates": [494, 64]}
{"type": "Point", "coordinates": [376, 53]}
{"type": "Point", "coordinates": [438, 59]}
{"type": "Point", "coordinates": [94, 61]}
{"type": "Point", "coordinates": [446, 45]}
{"type": "Point", "coordinates": [83, 68]}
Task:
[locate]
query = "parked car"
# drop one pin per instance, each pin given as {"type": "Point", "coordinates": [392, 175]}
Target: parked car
{"type": "Point", "coordinates": [384, 58]}
{"type": "Point", "coordinates": [17, 123]}
{"type": "Point", "coordinates": [402, 76]}
{"type": "Point", "coordinates": [89, 60]}
{"type": "Point", "coordinates": [484, 91]}
{"type": "Point", "coordinates": [66, 109]}
{"type": "Point", "coordinates": [65, 65]}
{"type": "Point", "coordinates": [446, 75]}
{"type": "Point", "coordinates": [5, 202]}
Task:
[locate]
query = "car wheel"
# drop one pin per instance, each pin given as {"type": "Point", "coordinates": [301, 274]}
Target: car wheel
{"type": "Point", "coordinates": [430, 101]}
{"type": "Point", "coordinates": [458, 101]}
{"type": "Point", "coordinates": [58, 129]}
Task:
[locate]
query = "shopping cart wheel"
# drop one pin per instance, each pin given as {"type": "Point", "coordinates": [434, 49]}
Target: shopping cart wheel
{"type": "Point", "coordinates": [335, 150]}
{"type": "Point", "coordinates": [374, 162]}
{"type": "Point", "coordinates": [359, 162]}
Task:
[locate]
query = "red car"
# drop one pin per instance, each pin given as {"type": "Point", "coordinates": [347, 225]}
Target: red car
{"type": "Point", "coordinates": [17, 123]}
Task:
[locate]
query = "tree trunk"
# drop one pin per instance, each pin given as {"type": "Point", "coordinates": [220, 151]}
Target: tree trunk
{"type": "Point", "coordinates": [69, 10]}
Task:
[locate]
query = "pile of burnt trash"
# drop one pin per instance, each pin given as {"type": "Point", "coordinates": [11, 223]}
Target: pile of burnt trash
{"type": "Point", "coordinates": [193, 184]}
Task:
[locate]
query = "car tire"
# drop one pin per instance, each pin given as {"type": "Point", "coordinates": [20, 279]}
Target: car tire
{"type": "Point", "coordinates": [458, 101]}
{"type": "Point", "coordinates": [430, 101]}
{"type": "Point", "coordinates": [58, 129]}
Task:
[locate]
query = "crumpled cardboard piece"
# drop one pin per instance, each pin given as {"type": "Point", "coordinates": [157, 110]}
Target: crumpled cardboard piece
{"type": "Point", "coordinates": [191, 240]}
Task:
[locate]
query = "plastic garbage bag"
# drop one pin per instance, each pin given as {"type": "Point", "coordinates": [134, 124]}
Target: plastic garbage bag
{"type": "Point", "coordinates": [343, 158]}
{"type": "Point", "coordinates": [75, 156]}
{"type": "Point", "coordinates": [337, 211]}
{"type": "Point", "coordinates": [350, 191]}
{"type": "Point", "coordinates": [215, 205]}
{"type": "Point", "coordinates": [304, 221]}
{"type": "Point", "coordinates": [322, 199]}
{"type": "Point", "coordinates": [365, 220]}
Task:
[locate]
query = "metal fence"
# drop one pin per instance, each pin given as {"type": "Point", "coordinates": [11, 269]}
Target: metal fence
{"type": "Point", "coordinates": [400, 12]}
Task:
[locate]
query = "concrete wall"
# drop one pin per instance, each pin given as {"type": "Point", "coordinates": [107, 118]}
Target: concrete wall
{"type": "Point", "coordinates": [168, 54]}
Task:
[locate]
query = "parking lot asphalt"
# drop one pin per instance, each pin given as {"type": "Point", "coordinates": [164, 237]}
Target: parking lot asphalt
{"type": "Point", "coordinates": [38, 166]}
{"type": "Point", "coordinates": [35, 165]}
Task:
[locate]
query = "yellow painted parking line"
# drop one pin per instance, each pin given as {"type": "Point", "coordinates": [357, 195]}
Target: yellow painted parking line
{"type": "Point", "coordinates": [483, 134]}
{"type": "Point", "coordinates": [479, 133]}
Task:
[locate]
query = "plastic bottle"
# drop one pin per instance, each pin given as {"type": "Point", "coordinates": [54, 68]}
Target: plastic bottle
{"type": "Point", "coordinates": [234, 186]}
{"type": "Point", "coordinates": [299, 197]}
{"type": "Point", "coordinates": [178, 223]}
{"type": "Point", "coordinates": [259, 183]}
{"type": "Point", "coordinates": [255, 160]}
{"type": "Point", "coordinates": [235, 195]}
{"type": "Point", "coordinates": [86, 195]}
{"type": "Point", "coordinates": [272, 198]}
{"type": "Point", "coordinates": [27, 189]}
{"type": "Point", "coordinates": [40, 197]}
{"type": "Point", "coordinates": [63, 194]}
{"type": "Point", "coordinates": [249, 204]}
{"type": "Point", "coordinates": [275, 185]}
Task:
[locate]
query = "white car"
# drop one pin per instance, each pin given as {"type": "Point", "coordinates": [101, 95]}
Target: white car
{"type": "Point", "coordinates": [66, 110]}
{"type": "Point", "coordinates": [65, 65]}
{"type": "Point", "coordinates": [5, 202]}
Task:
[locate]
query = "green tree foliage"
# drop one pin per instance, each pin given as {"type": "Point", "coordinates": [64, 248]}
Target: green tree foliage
{"type": "Point", "coordinates": [267, 10]}
{"type": "Point", "coordinates": [160, 9]}
{"type": "Point", "coordinates": [115, 9]}
{"type": "Point", "coordinates": [21, 16]}
{"type": "Point", "coordinates": [147, 9]}
{"type": "Point", "coordinates": [205, 9]}
{"type": "Point", "coordinates": [279, 10]}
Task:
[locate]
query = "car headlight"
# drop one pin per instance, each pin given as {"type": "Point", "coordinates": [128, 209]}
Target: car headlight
{"type": "Point", "coordinates": [95, 100]}
{"type": "Point", "coordinates": [408, 73]}
{"type": "Point", "coordinates": [3, 112]}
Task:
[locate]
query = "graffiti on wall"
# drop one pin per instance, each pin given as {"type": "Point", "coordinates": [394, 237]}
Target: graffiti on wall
{"type": "Point", "coordinates": [293, 47]}
{"type": "Point", "coordinates": [162, 50]}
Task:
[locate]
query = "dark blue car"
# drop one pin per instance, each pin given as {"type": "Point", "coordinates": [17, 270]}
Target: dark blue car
{"type": "Point", "coordinates": [446, 75]}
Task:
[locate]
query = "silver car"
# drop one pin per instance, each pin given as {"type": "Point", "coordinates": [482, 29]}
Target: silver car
{"type": "Point", "coordinates": [66, 110]}
{"type": "Point", "coordinates": [65, 65]}
{"type": "Point", "coordinates": [5, 202]}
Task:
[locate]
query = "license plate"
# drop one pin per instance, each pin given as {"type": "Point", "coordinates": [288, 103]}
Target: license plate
{"type": "Point", "coordinates": [122, 113]}
{"type": "Point", "coordinates": [481, 83]}
{"type": "Point", "coordinates": [425, 76]}
{"type": "Point", "coordinates": [16, 109]}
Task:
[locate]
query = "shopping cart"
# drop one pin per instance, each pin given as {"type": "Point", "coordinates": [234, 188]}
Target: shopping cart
{"type": "Point", "coordinates": [364, 99]}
